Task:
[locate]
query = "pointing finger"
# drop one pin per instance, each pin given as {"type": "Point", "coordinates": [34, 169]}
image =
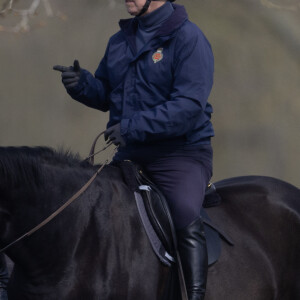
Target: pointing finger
{"type": "Point", "coordinates": [61, 68]}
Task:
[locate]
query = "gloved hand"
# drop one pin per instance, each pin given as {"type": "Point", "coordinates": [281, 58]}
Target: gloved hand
{"type": "Point", "coordinates": [113, 134]}
{"type": "Point", "coordinates": [70, 75]}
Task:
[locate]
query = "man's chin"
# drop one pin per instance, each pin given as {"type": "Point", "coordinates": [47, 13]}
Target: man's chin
{"type": "Point", "coordinates": [131, 8]}
{"type": "Point", "coordinates": [132, 12]}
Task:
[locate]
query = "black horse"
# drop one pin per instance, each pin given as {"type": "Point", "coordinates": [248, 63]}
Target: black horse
{"type": "Point", "coordinates": [97, 248]}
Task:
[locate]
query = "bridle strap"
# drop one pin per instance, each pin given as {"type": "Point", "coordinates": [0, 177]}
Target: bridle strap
{"type": "Point", "coordinates": [71, 200]}
{"type": "Point", "coordinates": [146, 7]}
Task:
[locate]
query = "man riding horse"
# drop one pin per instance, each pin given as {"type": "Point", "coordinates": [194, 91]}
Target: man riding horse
{"type": "Point", "coordinates": [155, 79]}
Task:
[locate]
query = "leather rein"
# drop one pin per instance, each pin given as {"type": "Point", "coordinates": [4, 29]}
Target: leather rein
{"type": "Point", "coordinates": [90, 159]}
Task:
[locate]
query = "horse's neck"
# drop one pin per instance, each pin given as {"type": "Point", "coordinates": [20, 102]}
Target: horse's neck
{"type": "Point", "coordinates": [53, 254]}
{"type": "Point", "coordinates": [48, 252]}
{"type": "Point", "coordinates": [91, 244]}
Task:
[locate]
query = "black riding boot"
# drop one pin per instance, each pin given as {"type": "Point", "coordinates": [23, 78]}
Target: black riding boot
{"type": "Point", "coordinates": [3, 278]}
{"type": "Point", "coordinates": [193, 253]}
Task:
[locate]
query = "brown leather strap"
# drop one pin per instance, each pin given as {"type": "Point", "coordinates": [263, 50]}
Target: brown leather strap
{"type": "Point", "coordinates": [72, 199]}
{"type": "Point", "coordinates": [90, 158]}
{"type": "Point", "coordinates": [58, 211]}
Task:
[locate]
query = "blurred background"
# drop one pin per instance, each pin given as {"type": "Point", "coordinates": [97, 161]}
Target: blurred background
{"type": "Point", "coordinates": [256, 94]}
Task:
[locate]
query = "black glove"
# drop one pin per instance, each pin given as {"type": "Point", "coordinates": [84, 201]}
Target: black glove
{"type": "Point", "coordinates": [113, 134]}
{"type": "Point", "coordinates": [70, 75]}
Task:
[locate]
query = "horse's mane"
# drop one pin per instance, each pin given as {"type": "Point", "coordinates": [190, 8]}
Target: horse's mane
{"type": "Point", "coordinates": [19, 164]}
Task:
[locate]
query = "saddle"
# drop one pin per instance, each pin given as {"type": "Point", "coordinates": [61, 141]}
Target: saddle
{"type": "Point", "coordinates": [156, 218]}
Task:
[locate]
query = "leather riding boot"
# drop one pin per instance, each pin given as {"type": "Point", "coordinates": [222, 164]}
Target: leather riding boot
{"type": "Point", "coordinates": [193, 253]}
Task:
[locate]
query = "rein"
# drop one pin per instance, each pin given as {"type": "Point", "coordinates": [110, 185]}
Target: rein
{"type": "Point", "coordinates": [90, 158]}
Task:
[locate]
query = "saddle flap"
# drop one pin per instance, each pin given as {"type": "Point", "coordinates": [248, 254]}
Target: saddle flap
{"type": "Point", "coordinates": [213, 241]}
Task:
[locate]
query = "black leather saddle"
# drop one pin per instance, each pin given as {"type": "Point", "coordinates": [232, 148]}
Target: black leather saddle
{"type": "Point", "coordinates": [159, 215]}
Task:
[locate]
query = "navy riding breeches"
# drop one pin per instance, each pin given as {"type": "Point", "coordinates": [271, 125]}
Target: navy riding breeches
{"type": "Point", "coordinates": [182, 176]}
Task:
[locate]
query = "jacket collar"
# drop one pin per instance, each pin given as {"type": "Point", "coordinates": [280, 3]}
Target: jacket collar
{"type": "Point", "coordinates": [154, 19]}
{"type": "Point", "coordinates": [165, 32]}
{"type": "Point", "coordinates": [177, 18]}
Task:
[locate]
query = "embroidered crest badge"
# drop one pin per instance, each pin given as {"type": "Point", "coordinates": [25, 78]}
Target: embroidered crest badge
{"type": "Point", "coordinates": [158, 55]}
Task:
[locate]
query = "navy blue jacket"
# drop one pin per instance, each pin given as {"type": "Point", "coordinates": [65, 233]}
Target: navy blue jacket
{"type": "Point", "coordinates": [160, 103]}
